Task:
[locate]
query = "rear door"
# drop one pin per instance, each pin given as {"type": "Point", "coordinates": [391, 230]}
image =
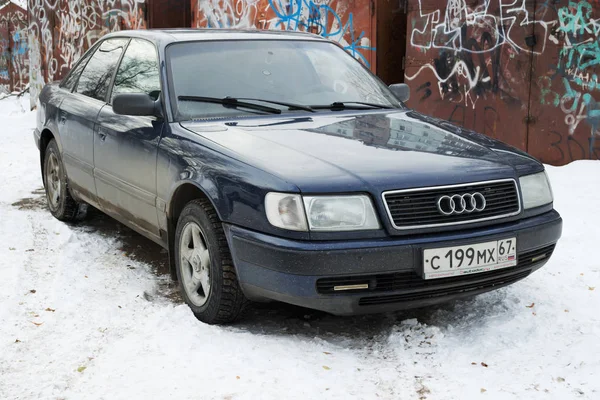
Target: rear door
{"type": "Point", "coordinates": [125, 147]}
{"type": "Point", "coordinates": [78, 113]}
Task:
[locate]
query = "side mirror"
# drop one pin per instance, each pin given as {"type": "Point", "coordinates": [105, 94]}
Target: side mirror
{"type": "Point", "coordinates": [401, 91]}
{"type": "Point", "coordinates": [138, 104]}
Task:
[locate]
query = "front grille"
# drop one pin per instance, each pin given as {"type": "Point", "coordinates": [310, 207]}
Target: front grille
{"type": "Point", "coordinates": [410, 280]}
{"type": "Point", "coordinates": [417, 208]}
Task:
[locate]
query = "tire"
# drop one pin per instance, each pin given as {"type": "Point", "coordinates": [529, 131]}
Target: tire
{"type": "Point", "coordinates": [207, 278]}
{"type": "Point", "coordinates": [60, 202]}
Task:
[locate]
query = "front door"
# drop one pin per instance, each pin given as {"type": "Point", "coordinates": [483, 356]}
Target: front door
{"type": "Point", "coordinates": [78, 113]}
{"type": "Point", "coordinates": [125, 147]}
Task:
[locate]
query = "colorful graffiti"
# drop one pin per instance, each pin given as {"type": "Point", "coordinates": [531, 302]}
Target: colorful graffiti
{"type": "Point", "coordinates": [579, 33]}
{"type": "Point", "coordinates": [62, 30]}
{"type": "Point", "coordinates": [14, 60]}
{"type": "Point", "coordinates": [328, 18]}
{"type": "Point", "coordinates": [522, 59]}
{"type": "Point", "coordinates": [475, 45]}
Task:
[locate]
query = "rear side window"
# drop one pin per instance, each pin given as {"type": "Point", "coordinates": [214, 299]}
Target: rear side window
{"type": "Point", "coordinates": [138, 72]}
{"type": "Point", "coordinates": [71, 80]}
{"type": "Point", "coordinates": [98, 72]}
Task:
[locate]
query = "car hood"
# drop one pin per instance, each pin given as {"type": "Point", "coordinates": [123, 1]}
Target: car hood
{"type": "Point", "coordinates": [373, 151]}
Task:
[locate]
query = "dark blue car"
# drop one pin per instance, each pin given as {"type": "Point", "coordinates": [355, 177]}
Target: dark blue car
{"type": "Point", "coordinates": [274, 166]}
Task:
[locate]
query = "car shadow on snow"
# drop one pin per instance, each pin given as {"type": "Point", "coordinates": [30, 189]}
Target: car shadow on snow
{"type": "Point", "coordinates": [284, 319]}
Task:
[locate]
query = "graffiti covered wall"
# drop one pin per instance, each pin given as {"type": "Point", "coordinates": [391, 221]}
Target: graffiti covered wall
{"type": "Point", "coordinates": [60, 31]}
{"type": "Point", "coordinates": [348, 22]}
{"type": "Point", "coordinates": [14, 60]}
{"type": "Point", "coordinates": [565, 87]}
{"type": "Point", "coordinates": [522, 71]}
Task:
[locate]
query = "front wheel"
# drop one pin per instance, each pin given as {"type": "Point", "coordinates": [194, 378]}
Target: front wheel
{"type": "Point", "coordinates": [207, 278]}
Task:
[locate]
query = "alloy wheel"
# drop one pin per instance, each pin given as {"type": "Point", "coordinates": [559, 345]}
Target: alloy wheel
{"type": "Point", "coordinates": [195, 264]}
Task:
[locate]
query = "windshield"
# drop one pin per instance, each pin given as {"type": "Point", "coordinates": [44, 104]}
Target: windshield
{"type": "Point", "coordinates": [306, 73]}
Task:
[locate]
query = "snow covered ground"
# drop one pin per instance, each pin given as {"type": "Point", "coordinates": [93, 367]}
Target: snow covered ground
{"type": "Point", "coordinates": [86, 312]}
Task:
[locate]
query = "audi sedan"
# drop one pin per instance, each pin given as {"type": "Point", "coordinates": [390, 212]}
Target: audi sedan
{"type": "Point", "coordinates": [275, 166]}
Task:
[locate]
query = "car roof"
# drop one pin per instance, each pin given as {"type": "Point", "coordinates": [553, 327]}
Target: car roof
{"type": "Point", "coordinates": [187, 35]}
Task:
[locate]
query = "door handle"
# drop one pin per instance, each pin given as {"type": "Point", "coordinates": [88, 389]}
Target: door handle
{"type": "Point", "coordinates": [101, 134]}
{"type": "Point", "coordinates": [62, 118]}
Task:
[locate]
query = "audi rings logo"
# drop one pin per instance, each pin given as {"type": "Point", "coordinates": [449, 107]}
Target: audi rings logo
{"type": "Point", "coordinates": [461, 203]}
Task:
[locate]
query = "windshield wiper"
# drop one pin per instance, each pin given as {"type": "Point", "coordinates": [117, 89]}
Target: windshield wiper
{"type": "Point", "coordinates": [291, 106]}
{"type": "Point", "coordinates": [349, 105]}
{"type": "Point", "coordinates": [231, 102]}
{"type": "Point", "coordinates": [244, 102]}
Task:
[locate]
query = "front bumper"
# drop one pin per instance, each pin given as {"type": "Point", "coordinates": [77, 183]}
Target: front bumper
{"type": "Point", "coordinates": [304, 272]}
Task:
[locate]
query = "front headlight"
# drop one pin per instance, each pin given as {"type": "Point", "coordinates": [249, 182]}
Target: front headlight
{"type": "Point", "coordinates": [340, 213]}
{"type": "Point", "coordinates": [320, 213]}
{"type": "Point", "coordinates": [536, 190]}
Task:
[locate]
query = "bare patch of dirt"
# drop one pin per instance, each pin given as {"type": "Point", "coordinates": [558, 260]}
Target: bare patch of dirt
{"type": "Point", "coordinates": [36, 202]}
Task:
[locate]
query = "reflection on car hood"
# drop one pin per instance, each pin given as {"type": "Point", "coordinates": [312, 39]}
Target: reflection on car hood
{"type": "Point", "coordinates": [372, 151]}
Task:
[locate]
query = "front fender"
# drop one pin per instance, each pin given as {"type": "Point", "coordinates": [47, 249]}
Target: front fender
{"type": "Point", "coordinates": [235, 189]}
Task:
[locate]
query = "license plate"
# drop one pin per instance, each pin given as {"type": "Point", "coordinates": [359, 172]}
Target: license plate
{"type": "Point", "coordinates": [469, 259]}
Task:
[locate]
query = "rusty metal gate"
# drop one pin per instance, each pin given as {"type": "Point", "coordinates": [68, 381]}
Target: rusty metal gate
{"type": "Point", "coordinates": [348, 22]}
{"type": "Point", "coordinates": [14, 60]}
{"type": "Point", "coordinates": [61, 31]}
{"type": "Point", "coordinates": [523, 71]}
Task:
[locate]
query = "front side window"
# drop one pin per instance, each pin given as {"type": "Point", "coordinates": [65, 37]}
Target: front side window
{"type": "Point", "coordinates": [308, 73]}
{"type": "Point", "coordinates": [98, 72]}
{"type": "Point", "coordinates": [138, 72]}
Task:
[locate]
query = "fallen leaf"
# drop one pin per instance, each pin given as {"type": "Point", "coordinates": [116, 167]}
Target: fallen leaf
{"type": "Point", "coordinates": [17, 341]}
{"type": "Point", "coordinates": [50, 309]}
{"type": "Point", "coordinates": [119, 306]}
{"type": "Point", "coordinates": [36, 323]}
{"type": "Point", "coordinates": [237, 377]}
{"type": "Point", "coordinates": [85, 276]}
{"type": "Point", "coordinates": [566, 310]}
{"type": "Point", "coordinates": [326, 352]}
{"type": "Point", "coordinates": [581, 274]}
{"type": "Point", "coordinates": [559, 379]}
{"type": "Point", "coordinates": [32, 291]}
{"type": "Point", "coordinates": [531, 305]}
{"type": "Point", "coordinates": [482, 390]}
{"type": "Point", "coordinates": [30, 250]}
{"type": "Point", "coordinates": [325, 367]}
{"type": "Point", "coordinates": [591, 287]}
{"type": "Point", "coordinates": [11, 248]}
{"type": "Point", "coordinates": [534, 314]}
{"type": "Point", "coordinates": [81, 369]}
{"type": "Point", "coordinates": [484, 364]}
